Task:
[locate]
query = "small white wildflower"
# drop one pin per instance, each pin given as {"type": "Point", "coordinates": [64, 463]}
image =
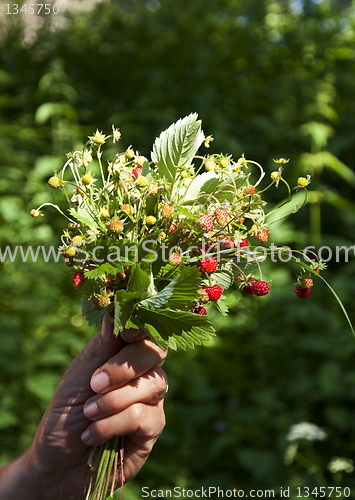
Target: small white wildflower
{"type": "Point", "coordinates": [116, 134]}
{"type": "Point", "coordinates": [340, 464]}
{"type": "Point", "coordinates": [98, 139]}
{"type": "Point", "coordinates": [207, 141]}
{"type": "Point", "coordinates": [87, 158]}
{"type": "Point", "coordinates": [306, 430]}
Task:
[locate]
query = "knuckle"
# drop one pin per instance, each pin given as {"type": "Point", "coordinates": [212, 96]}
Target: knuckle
{"type": "Point", "coordinates": [98, 430]}
{"type": "Point", "coordinates": [160, 382]}
{"type": "Point", "coordinates": [138, 413]}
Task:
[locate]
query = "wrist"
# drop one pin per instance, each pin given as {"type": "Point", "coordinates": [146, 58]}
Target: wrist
{"type": "Point", "coordinates": [18, 479]}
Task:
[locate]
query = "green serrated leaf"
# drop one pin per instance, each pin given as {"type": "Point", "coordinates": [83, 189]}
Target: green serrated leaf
{"type": "Point", "coordinates": [93, 317]}
{"type": "Point", "coordinates": [139, 280]}
{"type": "Point", "coordinates": [179, 294]}
{"type": "Point", "coordinates": [188, 329]}
{"type": "Point", "coordinates": [100, 271]}
{"type": "Point", "coordinates": [83, 216]}
{"type": "Point", "coordinates": [177, 146]}
{"type": "Point", "coordinates": [199, 184]}
{"type": "Point", "coordinates": [224, 276]}
{"type": "Point", "coordinates": [222, 306]}
{"type": "Point", "coordinates": [125, 303]}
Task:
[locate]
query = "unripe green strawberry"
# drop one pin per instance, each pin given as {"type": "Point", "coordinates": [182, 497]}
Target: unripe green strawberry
{"type": "Point", "coordinates": [71, 252]}
{"type": "Point", "coordinates": [203, 296]}
{"type": "Point", "coordinates": [35, 213]}
{"type": "Point", "coordinates": [129, 154]}
{"type": "Point", "coordinates": [87, 178]}
{"type": "Point", "coordinates": [175, 259]}
{"type": "Point", "coordinates": [142, 181]}
{"type": "Point", "coordinates": [141, 160]}
{"type": "Point", "coordinates": [222, 216]}
{"type": "Point", "coordinates": [127, 208]}
{"type": "Point", "coordinates": [306, 282]}
{"type": "Point", "coordinates": [150, 220]}
{"type": "Point", "coordinates": [101, 302]}
{"type": "Point", "coordinates": [104, 213]}
{"type": "Point", "coordinates": [153, 189]}
{"type": "Point", "coordinates": [210, 165]}
{"type": "Point", "coordinates": [205, 222]}
{"type": "Point", "coordinates": [167, 210]}
{"type": "Point", "coordinates": [261, 235]}
{"type": "Point", "coordinates": [54, 182]}
{"type": "Point", "coordinates": [78, 240]}
{"type": "Point", "coordinates": [224, 162]}
{"type": "Point", "coordinates": [116, 226]}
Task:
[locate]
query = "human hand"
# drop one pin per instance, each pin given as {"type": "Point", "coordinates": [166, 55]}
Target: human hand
{"type": "Point", "coordinates": [121, 397]}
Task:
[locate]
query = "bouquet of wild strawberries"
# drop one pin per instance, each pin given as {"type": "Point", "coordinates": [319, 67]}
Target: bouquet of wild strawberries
{"type": "Point", "coordinates": [157, 243]}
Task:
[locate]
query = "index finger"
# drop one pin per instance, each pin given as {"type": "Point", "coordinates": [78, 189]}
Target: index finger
{"type": "Point", "coordinates": [129, 363]}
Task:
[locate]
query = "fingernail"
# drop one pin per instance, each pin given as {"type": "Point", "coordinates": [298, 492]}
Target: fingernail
{"type": "Point", "coordinates": [100, 382]}
{"type": "Point", "coordinates": [91, 410]}
{"type": "Point", "coordinates": [85, 437]}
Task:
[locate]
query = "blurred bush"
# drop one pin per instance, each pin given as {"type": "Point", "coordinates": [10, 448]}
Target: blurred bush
{"type": "Point", "coordinates": [270, 79]}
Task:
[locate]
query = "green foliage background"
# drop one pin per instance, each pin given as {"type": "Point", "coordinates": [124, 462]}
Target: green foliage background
{"type": "Point", "coordinates": [268, 78]}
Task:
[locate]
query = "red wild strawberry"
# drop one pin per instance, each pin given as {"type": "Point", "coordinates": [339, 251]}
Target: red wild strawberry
{"type": "Point", "coordinates": [260, 288]}
{"type": "Point", "coordinates": [205, 222]}
{"type": "Point", "coordinates": [201, 311]}
{"type": "Point", "coordinates": [243, 243]}
{"type": "Point", "coordinates": [302, 293]}
{"type": "Point", "coordinates": [248, 289]}
{"type": "Point", "coordinates": [214, 292]}
{"type": "Point", "coordinates": [78, 280]}
{"type": "Point", "coordinates": [221, 216]}
{"type": "Point", "coordinates": [209, 265]}
{"type": "Point", "coordinates": [250, 190]}
{"type": "Point", "coordinates": [172, 228]}
{"type": "Point", "coordinates": [136, 172]}
{"type": "Point", "coordinates": [261, 236]}
{"type": "Point", "coordinates": [257, 288]}
{"type": "Point", "coordinates": [227, 243]}
{"type": "Point", "coordinates": [175, 259]}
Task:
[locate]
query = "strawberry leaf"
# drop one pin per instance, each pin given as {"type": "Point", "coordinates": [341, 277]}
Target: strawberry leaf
{"type": "Point", "coordinates": [100, 271]}
{"type": "Point", "coordinates": [93, 317]}
{"type": "Point", "coordinates": [83, 216]}
{"type": "Point", "coordinates": [139, 280]}
{"type": "Point", "coordinates": [221, 305]}
{"type": "Point", "coordinates": [224, 275]}
{"type": "Point", "coordinates": [125, 303]}
{"type": "Point", "coordinates": [177, 146]}
{"type": "Point", "coordinates": [177, 328]}
{"type": "Point", "coordinates": [179, 294]}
